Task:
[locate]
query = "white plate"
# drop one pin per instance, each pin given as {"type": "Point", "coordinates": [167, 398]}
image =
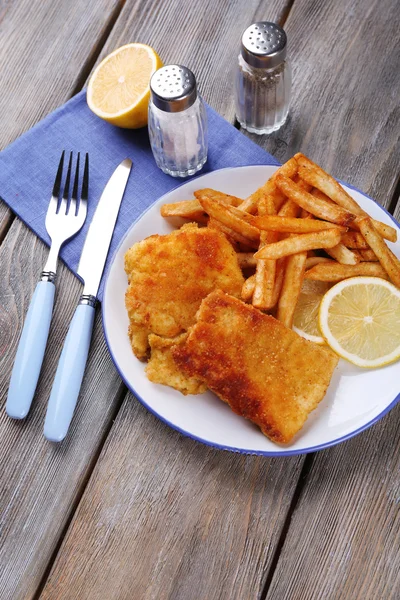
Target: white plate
{"type": "Point", "coordinates": [355, 399]}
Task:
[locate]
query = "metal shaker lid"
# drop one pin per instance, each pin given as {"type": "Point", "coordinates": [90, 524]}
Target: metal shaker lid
{"type": "Point", "coordinates": [264, 45]}
{"type": "Point", "coordinates": [173, 88]}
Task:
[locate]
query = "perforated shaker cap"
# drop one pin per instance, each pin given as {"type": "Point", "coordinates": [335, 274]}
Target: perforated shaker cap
{"type": "Point", "coordinates": [264, 45]}
{"type": "Point", "coordinates": [173, 88]}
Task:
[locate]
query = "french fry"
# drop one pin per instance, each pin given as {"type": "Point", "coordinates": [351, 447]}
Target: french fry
{"type": "Point", "coordinates": [333, 271]}
{"type": "Point", "coordinates": [246, 260]}
{"type": "Point", "coordinates": [386, 231]}
{"type": "Point", "coordinates": [388, 260]}
{"type": "Point", "coordinates": [367, 255]}
{"type": "Point", "coordinates": [279, 275]}
{"type": "Point", "coordinates": [300, 243]}
{"type": "Point", "coordinates": [192, 209]}
{"type": "Point", "coordinates": [267, 206]}
{"type": "Point", "coordinates": [302, 184]}
{"type": "Point", "coordinates": [187, 209]}
{"type": "Point", "coordinates": [293, 225]}
{"type": "Point", "coordinates": [354, 239]}
{"type": "Point", "coordinates": [269, 188]}
{"type": "Point", "coordinates": [291, 287]}
{"type": "Point", "coordinates": [264, 284]}
{"type": "Point", "coordinates": [233, 236]}
{"type": "Point", "coordinates": [318, 194]}
{"type": "Point", "coordinates": [289, 168]}
{"type": "Point", "coordinates": [292, 273]}
{"type": "Point", "coordinates": [343, 255]}
{"type": "Point", "coordinates": [220, 196]}
{"type": "Point", "coordinates": [279, 199]}
{"type": "Point", "coordinates": [230, 217]}
{"type": "Point", "coordinates": [316, 260]}
{"type": "Point", "coordinates": [289, 209]}
{"type": "Point", "coordinates": [316, 176]}
{"type": "Point", "coordinates": [317, 207]}
{"type": "Point", "coordinates": [265, 269]}
{"type": "Point", "coordinates": [248, 288]}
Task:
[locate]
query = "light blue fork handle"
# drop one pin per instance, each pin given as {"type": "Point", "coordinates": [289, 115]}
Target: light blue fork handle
{"type": "Point", "coordinates": [69, 375]}
{"type": "Point", "coordinates": [30, 352]}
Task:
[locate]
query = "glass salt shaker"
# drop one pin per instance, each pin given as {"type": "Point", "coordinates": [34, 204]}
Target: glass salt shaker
{"type": "Point", "coordinates": [263, 79]}
{"type": "Point", "coordinates": [177, 122]}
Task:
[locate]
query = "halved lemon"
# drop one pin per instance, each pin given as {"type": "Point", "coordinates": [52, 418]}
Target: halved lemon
{"type": "Point", "coordinates": [119, 88]}
{"type": "Point", "coordinates": [360, 320]}
{"type": "Point", "coordinates": [305, 320]}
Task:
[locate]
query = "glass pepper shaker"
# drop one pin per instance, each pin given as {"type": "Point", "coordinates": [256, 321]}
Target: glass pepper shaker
{"type": "Point", "coordinates": [177, 122]}
{"type": "Point", "coordinates": [263, 79]}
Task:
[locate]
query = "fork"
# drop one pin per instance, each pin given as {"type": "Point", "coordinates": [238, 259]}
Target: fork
{"type": "Point", "coordinates": [63, 220]}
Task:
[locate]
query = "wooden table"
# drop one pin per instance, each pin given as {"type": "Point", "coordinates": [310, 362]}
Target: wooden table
{"type": "Point", "coordinates": [126, 508]}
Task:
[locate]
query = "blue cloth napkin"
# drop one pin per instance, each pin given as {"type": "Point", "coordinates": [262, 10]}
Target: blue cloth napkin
{"type": "Point", "coordinates": [28, 167]}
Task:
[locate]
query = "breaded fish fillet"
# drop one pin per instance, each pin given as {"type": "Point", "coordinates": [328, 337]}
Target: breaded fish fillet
{"type": "Point", "coordinates": [162, 368]}
{"type": "Point", "coordinates": [169, 275]}
{"type": "Point", "coordinates": [264, 371]}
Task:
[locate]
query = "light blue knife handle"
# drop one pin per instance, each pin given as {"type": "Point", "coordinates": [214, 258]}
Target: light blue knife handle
{"type": "Point", "coordinates": [68, 379]}
{"type": "Point", "coordinates": [32, 345]}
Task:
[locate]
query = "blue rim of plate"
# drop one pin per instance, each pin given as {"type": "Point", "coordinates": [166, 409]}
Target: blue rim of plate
{"type": "Point", "coordinates": [202, 440]}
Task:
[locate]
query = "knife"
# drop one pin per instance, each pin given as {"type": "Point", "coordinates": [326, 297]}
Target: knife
{"type": "Point", "coordinates": [71, 366]}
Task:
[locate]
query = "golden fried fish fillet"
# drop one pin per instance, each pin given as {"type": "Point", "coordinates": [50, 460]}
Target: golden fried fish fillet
{"type": "Point", "coordinates": [162, 368]}
{"type": "Point", "coordinates": [264, 371]}
{"type": "Point", "coordinates": [169, 275]}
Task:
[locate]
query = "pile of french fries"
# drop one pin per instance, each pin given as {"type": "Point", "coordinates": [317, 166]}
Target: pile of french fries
{"type": "Point", "coordinates": [301, 224]}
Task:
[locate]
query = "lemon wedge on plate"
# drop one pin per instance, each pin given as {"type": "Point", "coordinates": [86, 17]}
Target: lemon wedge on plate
{"type": "Point", "coordinates": [119, 88]}
{"type": "Point", "coordinates": [305, 319]}
{"type": "Point", "coordinates": [360, 320]}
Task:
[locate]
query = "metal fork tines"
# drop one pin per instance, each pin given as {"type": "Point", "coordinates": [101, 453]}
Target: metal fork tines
{"type": "Point", "coordinates": [65, 218]}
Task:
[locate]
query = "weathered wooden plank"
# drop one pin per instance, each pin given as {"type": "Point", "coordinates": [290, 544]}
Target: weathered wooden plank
{"type": "Point", "coordinates": [166, 517]}
{"type": "Point", "coordinates": [44, 46]}
{"type": "Point", "coordinates": [345, 534]}
{"type": "Point", "coordinates": [396, 211]}
{"type": "Point", "coordinates": [5, 220]}
{"type": "Point", "coordinates": [40, 481]}
{"type": "Point", "coordinates": [43, 50]}
{"type": "Point", "coordinates": [345, 110]}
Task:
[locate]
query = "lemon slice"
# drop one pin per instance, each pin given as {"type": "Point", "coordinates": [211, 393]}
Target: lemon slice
{"type": "Point", "coordinates": [360, 320]}
{"type": "Point", "coordinates": [119, 89]}
{"type": "Point", "coordinates": [305, 319]}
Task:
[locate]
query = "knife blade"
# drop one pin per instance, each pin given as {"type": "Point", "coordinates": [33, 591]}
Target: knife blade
{"type": "Point", "coordinates": [95, 248]}
{"type": "Point", "coordinates": [71, 366]}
